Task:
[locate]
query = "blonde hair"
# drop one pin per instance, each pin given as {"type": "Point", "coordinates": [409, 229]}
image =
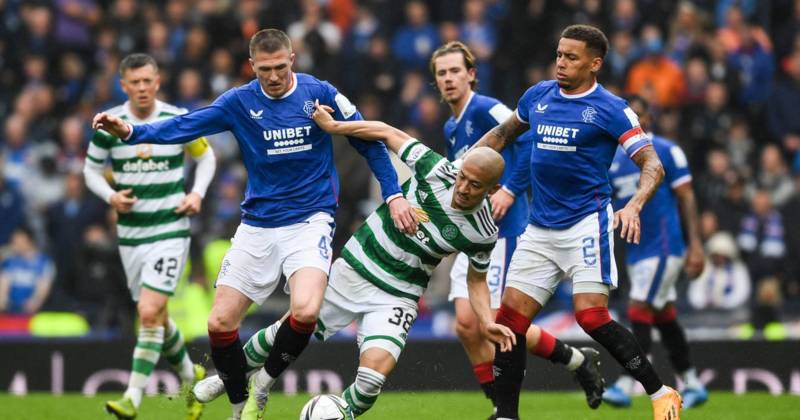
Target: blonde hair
{"type": "Point", "coordinates": [455, 47]}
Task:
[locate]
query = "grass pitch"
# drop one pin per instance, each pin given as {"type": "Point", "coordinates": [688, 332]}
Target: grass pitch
{"type": "Point", "coordinates": [411, 406]}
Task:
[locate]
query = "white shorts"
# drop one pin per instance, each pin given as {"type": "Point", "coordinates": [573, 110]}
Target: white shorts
{"type": "Point", "coordinates": [258, 256]}
{"type": "Point", "coordinates": [383, 320]}
{"type": "Point", "coordinates": [653, 280]}
{"type": "Point", "coordinates": [583, 253]}
{"type": "Point", "coordinates": [495, 277]}
{"type": "Point", "coordinates": [157, 266]}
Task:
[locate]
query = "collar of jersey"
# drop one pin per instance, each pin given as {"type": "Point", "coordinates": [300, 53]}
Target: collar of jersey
{"type": "Point", "coordinates": [579, 95]}
{"type": "Point", "coordinates": [464, 111]}
{"type": "Point", "coordinates": [285, 95]}
{"type": "Point", "coordinates": [150, 118]}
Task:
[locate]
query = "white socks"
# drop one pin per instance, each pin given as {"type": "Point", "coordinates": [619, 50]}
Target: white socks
{"type": "Point", "coordinates": [576, 360]}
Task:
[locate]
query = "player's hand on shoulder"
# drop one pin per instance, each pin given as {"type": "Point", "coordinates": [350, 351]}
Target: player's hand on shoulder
{"type": "Point", "coordinates": [627, 220]}
{"type": "Point", "coordinates": [122, 201]}
{"type": "Point", "coordinates": [322, 116]}
{"type": "Point", "coordinates": [113, 124]}
{"type": "Point", "coordinates": [190, 205]}
{"type": "Point", "coordinates": [403, 215]}
{"type": "Point", "coordinates": [501, 201]}
{"type": "Point", "coordinates": [500, 334]}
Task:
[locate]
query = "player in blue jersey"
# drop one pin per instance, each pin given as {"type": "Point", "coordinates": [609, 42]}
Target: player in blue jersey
{"type": "Point", "coordinates": [291, 195]}
{"type": "Point", "coordinates": [577, 126]}
{"type": "Point", "coordinates": [453, 67]}
{"type": "Point", "coordinates": [654, 264]}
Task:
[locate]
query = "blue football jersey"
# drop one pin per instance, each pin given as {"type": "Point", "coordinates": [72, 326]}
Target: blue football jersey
{"type": "Point", "coordinates": [289, 159]}
{"type": "Point", "coordinates": [481, 114]}
{"type": "Point", "coordinates": [662, 234]}
{"type": "Point", "coordinates": [574, 140]}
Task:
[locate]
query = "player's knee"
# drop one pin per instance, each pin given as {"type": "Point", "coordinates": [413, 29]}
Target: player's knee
{"type": "Point", "coordinates": [219, 322]}
{"type": "Point", "coordinates": [306, 314]}
{"type": "Point", "coordinates": [151, 315]}
{"type": "Point", "coordinates": [591, 319]}
{"type": "Point", "coordinates": [467, 329]}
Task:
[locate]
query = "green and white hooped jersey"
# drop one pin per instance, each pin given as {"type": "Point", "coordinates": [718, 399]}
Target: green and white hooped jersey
{"type": "Point", "coordinates": [402, 264]}
{"type": "Point", "coordinates": [155, 174]}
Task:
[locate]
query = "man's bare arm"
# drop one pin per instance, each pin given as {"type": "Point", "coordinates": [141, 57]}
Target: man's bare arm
{"type": "Point", "coordinates": [503, 135]}
{"type": "Point", "coordinates": [652, 174]}
{"type": "Point", "coordinates": [690, 218]}
{"type": "Point", "coordinates": [394, 138]}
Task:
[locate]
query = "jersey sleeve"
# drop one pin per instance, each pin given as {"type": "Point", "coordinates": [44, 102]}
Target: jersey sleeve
{"type": "Point", "coordinates": [423, 161]}
{"type": "Point", "coordinates": [479, 255]}
{"type": "Point", "coordinates": [623, 125]}
{"type": "Point", "coordinates": [676, 166]}
{"type": "Point", "coordinates": [520, 179]}
{"type": "Point", "coordinates": [524, 104]}
{"type": "Point", "coordinates": [99, 148]}
{"type": "Point", "coordinates": [207, 120]}
{"type": "Point", "coordinates": [499, 113]}
{"type": "Point", "coordinates": [374, 152]}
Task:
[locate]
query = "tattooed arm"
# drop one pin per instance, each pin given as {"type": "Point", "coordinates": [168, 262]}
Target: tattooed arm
{"type": "Point", "coordinates": [502, 135]}
{"type": "Point", "coordinates": [652, 173]}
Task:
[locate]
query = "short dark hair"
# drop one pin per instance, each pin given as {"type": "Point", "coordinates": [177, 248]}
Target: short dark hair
{"type": "Point", "coordinates": [594, 38]}
{"type": "Point", "coordinates": [269, 40]}
{"type": "Point", "coordinates": [136, 60]}
{"type": "Point", "coordinates": [634, 98]}
{"type": "Point", "coordinates": [455, 47]}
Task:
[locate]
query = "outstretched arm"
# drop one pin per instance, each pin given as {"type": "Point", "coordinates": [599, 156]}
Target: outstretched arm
{"type": "Point", "coordinates": [652, 174]}
{"type": "Point", "coordinates": [365, 130]}
{"type": "Point", "coordinates": [479, 300]}
{"type": "Point", "coordinates": [504, 134]}
{"type": "Point", "coordinates": [184, 128]}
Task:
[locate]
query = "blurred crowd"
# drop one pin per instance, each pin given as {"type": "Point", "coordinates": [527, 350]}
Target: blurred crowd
{"type": "Point", "coordinates": [723, 77]}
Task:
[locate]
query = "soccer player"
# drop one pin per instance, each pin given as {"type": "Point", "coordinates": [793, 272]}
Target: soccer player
{"type": "Point", "coordinates": [152, 223]}
{"type": "Point", "coordinates": [655, 263]}
{"type": "Point", "coordinates": [453, 67]}
{"type": "Point", "coordinates": [382, 272]}
{"type": "Point", "coordinates": [576, 125]}
{"type": "Point", "coordinates": [287, 214]}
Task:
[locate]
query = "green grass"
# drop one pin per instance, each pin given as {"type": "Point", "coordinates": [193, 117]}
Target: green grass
{"type": "Point", "coordinates": [423, 405]}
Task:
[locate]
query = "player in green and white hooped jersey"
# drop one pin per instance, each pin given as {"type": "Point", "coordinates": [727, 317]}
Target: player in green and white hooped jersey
{"type": "Point", "coordinates": [152, 224]}
{"type": "Point", "coordinates": [382, 272]}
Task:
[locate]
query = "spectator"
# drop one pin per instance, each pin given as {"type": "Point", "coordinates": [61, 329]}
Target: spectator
{"type": "Point", "coordinates": [725, 281]}
{"type": "Point", "coordinates": [761, 238]}
{"type": "Point", "coordinates": [480, 36]}
{"type": "Point", "coordinates": [72, 151]}
{"type": "Point", "coordinates": [190, 90]}
{"type": "Point", "coordinates": [784, 102]}
{"type": "Point", "coordinates": [315, 40]}
{"type": "Point", "coordinates": [414, 42]}
{"type": "Point", "coordinates": [15, 149]}
{"type": "Point", "coordinates": [712, 185]}
{"type": "Point", "coordinates": [656, 77]}
{"type": "Point", "coordinates": [773, 177]}
{"type": "Point", "coordinates": [25, 276]}
{"type": "Point", "coordinates": [66, 221]}
{"type": "Point", "coordinates": [12, 208]}
{"type": "Point", "coordinates": [74, 22]}
{"type": "Point", "coordinates": [706, 125]}
{"type": "Point", "coordinates": [753, 63]}
{"type": "Point", "coordinates": [622, 54]}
